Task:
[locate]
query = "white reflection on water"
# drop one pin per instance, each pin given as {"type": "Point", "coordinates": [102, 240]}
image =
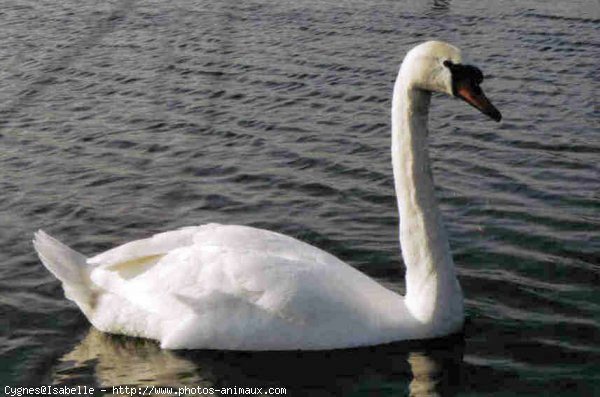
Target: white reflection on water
{"type": "Point", "coordinates": [431, 368]}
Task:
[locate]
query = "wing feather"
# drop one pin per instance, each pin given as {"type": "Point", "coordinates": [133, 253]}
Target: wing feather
{"type": "Point", "coordinates": [214, 279]}
{"type": "Point", "coordinates": [159, 244]}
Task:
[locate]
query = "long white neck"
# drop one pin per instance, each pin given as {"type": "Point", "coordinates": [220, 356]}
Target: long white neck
{"type": "Point", "coordinates": [433, 294]}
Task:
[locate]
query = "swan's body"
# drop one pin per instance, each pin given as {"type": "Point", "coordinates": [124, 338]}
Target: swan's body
{"type": "Point", "coordinates": [236, 287]}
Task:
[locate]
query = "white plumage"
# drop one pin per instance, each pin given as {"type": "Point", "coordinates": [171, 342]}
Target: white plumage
{"type": "Point", "coordinates": [241, 288]}
{"type": "Point", "coordinates": [233, 287]}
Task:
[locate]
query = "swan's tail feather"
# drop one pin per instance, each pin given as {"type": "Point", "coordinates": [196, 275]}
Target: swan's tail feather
{"type": "Point", "coordinates": [68, 266]}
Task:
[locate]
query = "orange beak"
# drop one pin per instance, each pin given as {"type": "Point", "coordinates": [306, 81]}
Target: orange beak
{"type": "Point", "coordinates": [471, 93]}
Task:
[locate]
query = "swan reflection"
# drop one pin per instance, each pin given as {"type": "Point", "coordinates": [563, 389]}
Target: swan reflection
{"type": "Point", "coordinates": [435, 373]}
{"type": "Point", "coordinates": [113, 360]}
{"type": "Point", "coordinates": [427, 368]}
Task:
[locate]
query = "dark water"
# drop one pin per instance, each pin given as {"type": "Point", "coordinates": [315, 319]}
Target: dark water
{"type": "Point", "coordinates": [119, 119]}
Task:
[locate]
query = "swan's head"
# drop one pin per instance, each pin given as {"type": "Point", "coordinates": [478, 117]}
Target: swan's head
{"type": "Point", "coordinates": [437, 67]}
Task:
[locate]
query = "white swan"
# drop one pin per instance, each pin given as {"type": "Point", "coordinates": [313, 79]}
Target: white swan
{"type": "Point", "coordinates": [240, 288]}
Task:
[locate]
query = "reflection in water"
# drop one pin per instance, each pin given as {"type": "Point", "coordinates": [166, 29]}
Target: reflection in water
{"type": "Point", "coordinates": [107, 360]}
{"type": "Point", "coordinates": [435, 372]}
{"type": "Point", "coordinates": [429, 368]}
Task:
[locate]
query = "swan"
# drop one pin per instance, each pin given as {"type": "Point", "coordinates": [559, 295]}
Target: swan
{"type": "Point", "coordinates": [232, 287]}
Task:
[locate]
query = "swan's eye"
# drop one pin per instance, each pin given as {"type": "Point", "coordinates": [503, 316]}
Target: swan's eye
{"type": "Point", "coordinates": [478, 76]}
{"type": "Point", "coordinates": [448, 63]}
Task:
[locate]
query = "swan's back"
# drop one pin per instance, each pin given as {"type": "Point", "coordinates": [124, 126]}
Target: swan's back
{"type": "Point", "coordinates": [237, 287]}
